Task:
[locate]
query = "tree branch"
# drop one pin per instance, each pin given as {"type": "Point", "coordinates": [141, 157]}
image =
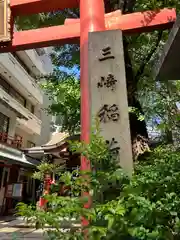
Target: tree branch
{"type": "Point", "coordinates": [130, 6]}
{"type": "Point", "coordinates": [126, 6]}
{"type": "Point", "coordinates": [147, 58]}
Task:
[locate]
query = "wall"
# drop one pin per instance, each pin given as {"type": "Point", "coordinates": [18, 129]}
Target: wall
{"type": "Point", "coordinates": [39, 63]}
{"type": "Point", "coordinates": [19, 78]}
{"type": "Point", "coordinates": [47, 60]}
{"type": "Point", "coordinates": [26, 137]}
{"type": "Point", "coordinates": [46, 123]}
{"type": "Point", "coordinates": [46, 119]}
{"type": "Point", "coordinates": [12, 115]}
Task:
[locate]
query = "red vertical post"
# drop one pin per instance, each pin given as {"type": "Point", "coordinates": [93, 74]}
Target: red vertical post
{"type": "Point", "coordinates": [92, 18]}
{"type": "Point", "coordinates": [46, 190]}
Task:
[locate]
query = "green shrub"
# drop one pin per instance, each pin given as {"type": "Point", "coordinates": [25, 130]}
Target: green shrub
{"type": "Point", "coordinates": [147, 206]}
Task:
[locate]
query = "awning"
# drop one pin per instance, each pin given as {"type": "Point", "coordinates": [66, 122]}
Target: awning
{"type": "Point", "coordinates": [15, 156]}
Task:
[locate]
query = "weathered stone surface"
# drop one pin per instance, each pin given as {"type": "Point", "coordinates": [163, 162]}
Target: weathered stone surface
{"type": "Point", "coordinates": [108, 87]}
{"type": "Point", "coordinates": [168, 67]}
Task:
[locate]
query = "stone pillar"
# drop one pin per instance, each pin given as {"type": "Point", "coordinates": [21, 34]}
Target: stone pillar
{"type": "Point", "coordinates": [108, 92]}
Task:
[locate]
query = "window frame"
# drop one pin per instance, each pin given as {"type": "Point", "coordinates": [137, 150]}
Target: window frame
{"type": "Point", "coordinates": [4, 118]}
{"type": "Point", "coordinates": [30, 144]}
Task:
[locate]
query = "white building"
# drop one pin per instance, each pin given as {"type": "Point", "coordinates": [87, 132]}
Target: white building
{"type": "Point", "coordinates": [23, 123]}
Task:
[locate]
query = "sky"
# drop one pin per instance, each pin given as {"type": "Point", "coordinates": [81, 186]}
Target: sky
{"type": "Point", "coordinates": [74, 70]}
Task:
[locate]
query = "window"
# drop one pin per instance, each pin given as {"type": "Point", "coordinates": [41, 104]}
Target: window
{"type": "Point", "coordinates": [4, 85]}
{"type": "Point", "coordinates": [11, 91]}
{"type": "Point", "coordinates": [21, 62]}
{"type": "Point", "coordinates": [4, 123]}
{"type": "Point", "coordinates": [30, 144]}
{"type": "Point", "coordinates": [18, 141]}
{"type": "Point", "coordinates": [17, 96]}
{"type": "Point", "coordinates": [5, 178]}
{"type": "Point", "coordinates": [32, 109]}
{"type": "Point", "coordinates": [40, 51]}
{"type": "Point", "coordinates": [18, 137]}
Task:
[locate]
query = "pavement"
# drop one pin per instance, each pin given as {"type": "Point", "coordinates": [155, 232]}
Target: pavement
{"type": "Point", "coordinates": [15, 229]}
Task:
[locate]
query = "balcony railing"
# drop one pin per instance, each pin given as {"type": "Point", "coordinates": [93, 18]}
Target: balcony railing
{"type": "Point", "coordinates": [10, 141]}
{"type": "Point", "coordinates": [20, 79]}
{"type": "Point", "coordinates": [26, 68]}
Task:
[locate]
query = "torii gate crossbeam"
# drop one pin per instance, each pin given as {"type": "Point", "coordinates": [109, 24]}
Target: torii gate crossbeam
{"type": "Point", "coordinates": [29, 7]}
{"type": "Point", "coordinates": [70, 32]}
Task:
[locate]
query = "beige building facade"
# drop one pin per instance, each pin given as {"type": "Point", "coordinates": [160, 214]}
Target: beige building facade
{"type": "Point", "coordinates": [23, 122]}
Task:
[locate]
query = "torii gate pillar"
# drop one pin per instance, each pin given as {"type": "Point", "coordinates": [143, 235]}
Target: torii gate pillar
{"type": "Point", "coordinates": [92, 18]}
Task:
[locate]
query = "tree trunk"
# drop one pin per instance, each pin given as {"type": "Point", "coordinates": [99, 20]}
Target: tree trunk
{"type": "Point", "coordinates": [139, 134]}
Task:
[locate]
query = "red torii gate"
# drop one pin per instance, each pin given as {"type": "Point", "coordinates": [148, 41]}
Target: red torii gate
{"type": "Point", "coordinates": [92, 18]}
{"type": "Point", "coordinates": [137, 22]}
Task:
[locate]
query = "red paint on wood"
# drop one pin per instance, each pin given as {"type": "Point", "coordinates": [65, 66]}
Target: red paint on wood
{"type": "Point", "coordinates": [6, 165]}
{"type": "Point", "coordinates": [92, 19]}
{"type": "Point", "coordinates": [136, 22]}
{"type": "Point", "coordinates": [70, 32]}
{"type": "Point", "coordinates": [116, 13]}
{"type": "Point", "coordinates": [27, 7]}
{"type": "Point", "coordinates": [145, 21]}
{"type": "Point", "coordinates": [42, 202]}
{"type": "Point", "coordinates": [44, 37]}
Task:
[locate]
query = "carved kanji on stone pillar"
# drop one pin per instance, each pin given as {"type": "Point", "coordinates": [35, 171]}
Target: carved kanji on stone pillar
{"type": "Point", "coordinates": [110, 105]}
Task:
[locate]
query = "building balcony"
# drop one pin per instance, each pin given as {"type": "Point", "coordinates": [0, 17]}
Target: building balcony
{"type": "Point", "coordinates": [19, 78]}
{"type": "Point", "coordinates": [14, 105]}
{"type": "Point", "coordinates": [26, 120]}
{"type": "Point", "coordinates": [31, 126]}
{"type": "Point", "coordinates": [38, 61]}
{"type": "Point", "coordinates": [10, 141]}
